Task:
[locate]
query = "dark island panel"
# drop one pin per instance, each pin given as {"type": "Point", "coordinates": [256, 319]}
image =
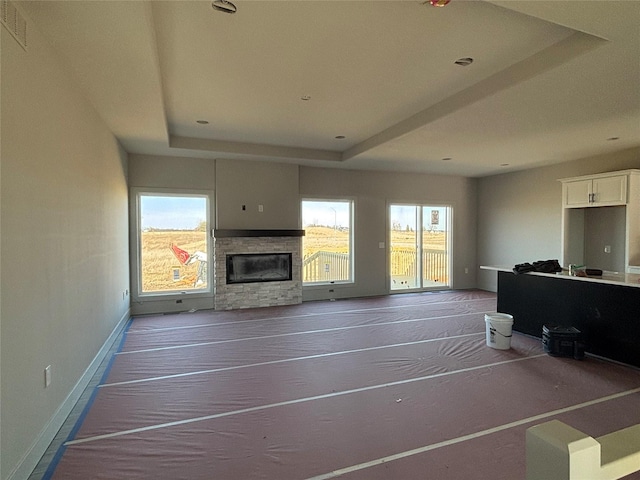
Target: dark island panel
{"type": "Point", "coordinates": [607, 315]}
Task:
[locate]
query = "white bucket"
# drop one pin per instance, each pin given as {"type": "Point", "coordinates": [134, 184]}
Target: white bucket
{"type": "Point", "coordinates": [499, 330]}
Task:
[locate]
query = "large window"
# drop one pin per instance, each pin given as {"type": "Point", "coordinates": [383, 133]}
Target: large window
{"type": "Point", "coordinates": [172, 243]}
{"type": "Point", "coordinates": [419, 246]}
{"type": "Point", "coordinates": [327, 243]}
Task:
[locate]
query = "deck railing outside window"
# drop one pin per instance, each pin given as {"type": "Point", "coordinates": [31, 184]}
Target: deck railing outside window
{"type": "Point", "coordinates": [322, 266]}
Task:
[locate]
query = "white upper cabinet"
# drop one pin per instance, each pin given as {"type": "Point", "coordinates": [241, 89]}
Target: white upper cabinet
{"type": "Point", "coordinates": [595, 190]}
{"type": "Point", "coordinates": [601, 237]}
{"type": "Point", "coordinates": [577, 193]}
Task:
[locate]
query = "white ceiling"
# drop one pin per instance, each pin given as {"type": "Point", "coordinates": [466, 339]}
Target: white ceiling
{"type": "Point", "coordinates": [551, 81]}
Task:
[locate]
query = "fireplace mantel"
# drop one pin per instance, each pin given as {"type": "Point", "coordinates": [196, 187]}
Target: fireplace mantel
{"type": "Point", "coordinates": [228, 233]}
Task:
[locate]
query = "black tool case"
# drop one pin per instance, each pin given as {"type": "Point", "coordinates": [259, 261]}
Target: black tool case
{"type": "Point", "coordinates": [560, 341]}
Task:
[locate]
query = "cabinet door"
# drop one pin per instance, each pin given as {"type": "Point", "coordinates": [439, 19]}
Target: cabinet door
{"type": "Point", "coordinates": [577, 193]}
{"type": "Point", "coordinates": [610, 190]}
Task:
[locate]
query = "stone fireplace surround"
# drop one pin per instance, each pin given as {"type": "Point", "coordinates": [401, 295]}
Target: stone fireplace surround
{"type": "Point", "coordinates": [258, 294]}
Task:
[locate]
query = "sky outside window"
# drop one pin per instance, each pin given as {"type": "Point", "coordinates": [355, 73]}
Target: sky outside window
{"type": "Point", "coordinates": [406, 215]}
{"type": "Point", "coordinates": [326, 213]}
{"type": "Point", "coordinates": [172, 212]}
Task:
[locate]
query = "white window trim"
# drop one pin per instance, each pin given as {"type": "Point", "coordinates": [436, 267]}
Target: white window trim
{"type": "Point", "coordinates": [135, 244]}
{"type": "Point", "coordinates": [352, 233]}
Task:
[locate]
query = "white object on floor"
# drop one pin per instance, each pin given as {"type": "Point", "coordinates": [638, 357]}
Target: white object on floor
{"type": "Point", "coordinates": [556, 451]}
{"type": "Point", "coordinates": [499, 329]}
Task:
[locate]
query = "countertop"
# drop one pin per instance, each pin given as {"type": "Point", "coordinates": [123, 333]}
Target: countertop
{"type": "Point", "coordinates": [613, 278]}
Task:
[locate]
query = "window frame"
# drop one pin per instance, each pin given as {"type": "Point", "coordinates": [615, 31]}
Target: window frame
{"type": "Point", "coordinates": [352, 208]}
{"type": "Point", "coordinates": [136, 193]}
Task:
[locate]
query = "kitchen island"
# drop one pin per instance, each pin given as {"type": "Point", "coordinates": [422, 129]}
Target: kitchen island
{"type": "Point", "coordinates": [605, 309]}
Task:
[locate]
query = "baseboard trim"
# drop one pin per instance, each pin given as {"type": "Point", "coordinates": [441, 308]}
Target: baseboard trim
{"type": "Point", "coordinates": [49, 432]}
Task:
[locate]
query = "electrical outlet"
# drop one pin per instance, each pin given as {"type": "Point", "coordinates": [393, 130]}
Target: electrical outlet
{"type": "Point", "coordinates": [47, 376]}
{"type": "Point", "coordinates": [261, 208]}
{"type": "Point", "coordinates": [607, 249]}
{"type": "Point", "coordinates": [466, 269]}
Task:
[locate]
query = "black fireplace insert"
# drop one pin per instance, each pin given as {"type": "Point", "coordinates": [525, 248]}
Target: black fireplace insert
{"type": "Point", "coordinates": [258, 267]}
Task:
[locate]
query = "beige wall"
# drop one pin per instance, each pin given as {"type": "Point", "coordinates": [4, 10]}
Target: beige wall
{"type": "Point", "coordinates": [251, 183]}
{"type": "Point", "coordinates": [372, 192]}
{"type": "Point", "coordinates": [520, 214]}
{"type": "Point", "coordinates": [153, 171]}
{"type": "Point", "coordinates": [64, 251]}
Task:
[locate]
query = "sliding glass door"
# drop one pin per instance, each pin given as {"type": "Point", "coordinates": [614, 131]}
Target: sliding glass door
{"type": "Point", "coordinates": [419, 246]}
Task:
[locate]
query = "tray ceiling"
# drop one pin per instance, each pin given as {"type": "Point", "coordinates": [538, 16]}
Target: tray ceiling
{"type": "Point", "coordinates": [280, 81]}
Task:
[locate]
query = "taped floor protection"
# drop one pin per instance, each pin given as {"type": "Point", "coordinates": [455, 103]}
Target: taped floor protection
{"type": "Point", "coordinates": [411, 395]}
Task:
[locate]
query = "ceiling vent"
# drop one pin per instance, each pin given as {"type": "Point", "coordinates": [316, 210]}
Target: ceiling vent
{"type": "Point", "coordinates": [13, 21]}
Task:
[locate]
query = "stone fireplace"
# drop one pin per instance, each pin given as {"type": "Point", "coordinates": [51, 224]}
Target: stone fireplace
{"type": "Point", "coordinates": [260, 273]}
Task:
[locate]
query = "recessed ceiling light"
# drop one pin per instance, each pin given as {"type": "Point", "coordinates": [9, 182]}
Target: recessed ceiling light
{"type": "Point", "coordinates": [438, 3]}
{"type": "Point", "coordinates": [202, 122]}
{"type": "Point", "coordinates": [504, 164]}
{"type": "Point", "coordinates": [464, 62]}
{"type": "Point", "coordinates": [612, 139]}
{"type": "Point", "coordinates": [340, 137]}
{"type": "Point", "coordinates": [305, 98]}
{"type": "Point", "coordinates": [446, 159]}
